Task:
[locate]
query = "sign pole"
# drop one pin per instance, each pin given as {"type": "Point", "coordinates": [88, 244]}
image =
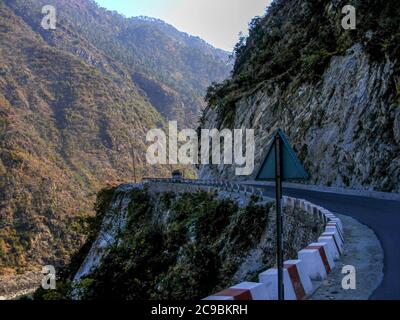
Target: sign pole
{"type": "Point", "coordinates": [279, 216]}
{"type": "Point", "coordinates": [280, 164]}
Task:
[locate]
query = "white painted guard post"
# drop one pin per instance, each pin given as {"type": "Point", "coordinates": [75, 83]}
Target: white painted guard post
{"type": "Point", "coordinates": [314, 264]}
{"type": "Point", "coordinates": [297, 282]}
{"type": "Point", "coordinates": [270, 278]}
{"type": "Point", "coordinates": [243, 291]}
{"type": "Point", "coordinates": [331, 244]}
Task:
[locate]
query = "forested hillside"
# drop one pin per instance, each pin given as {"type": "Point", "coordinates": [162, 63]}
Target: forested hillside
{"type": "Point", "coordinates": [75, 106]}
{"type": "Point", "coordinates": [172, 68]}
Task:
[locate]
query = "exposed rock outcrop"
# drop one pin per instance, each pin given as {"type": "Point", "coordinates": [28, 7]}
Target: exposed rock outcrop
{"type": "Point", "coordinates": [171, 241]}
{"type": "Point", "coordinates": [344, 127]}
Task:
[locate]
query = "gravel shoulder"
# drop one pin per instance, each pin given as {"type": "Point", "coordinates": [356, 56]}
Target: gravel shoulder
{"type": "Point", "coordinates": [363, 251]}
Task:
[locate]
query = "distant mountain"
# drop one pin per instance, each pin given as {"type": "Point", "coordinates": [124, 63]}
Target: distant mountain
{"type": "Point", "coordinates": [172, 69]}
{"type": "Point", "coordinates": [75, 104]}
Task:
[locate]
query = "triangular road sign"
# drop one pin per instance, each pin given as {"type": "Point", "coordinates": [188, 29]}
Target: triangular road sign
{"type": "Point", "coordinates": [292, 169]}
{"type": "Point", "coordinates": [280, 164]}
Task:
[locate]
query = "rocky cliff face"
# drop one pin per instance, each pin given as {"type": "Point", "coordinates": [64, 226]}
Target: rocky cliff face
{"type": "Point", "coordinates": [152, 242]}
{"type": "Point", "coordinates": [344, 127]}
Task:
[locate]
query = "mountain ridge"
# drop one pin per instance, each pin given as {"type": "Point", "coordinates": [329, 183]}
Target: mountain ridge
{"type": "Point", "coordinates": [72, 119]}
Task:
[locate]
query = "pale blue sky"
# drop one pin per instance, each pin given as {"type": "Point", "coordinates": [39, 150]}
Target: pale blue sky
{"type": "Point", "coordinates": [216, 21]}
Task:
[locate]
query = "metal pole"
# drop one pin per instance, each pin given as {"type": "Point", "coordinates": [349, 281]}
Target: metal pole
{"type": "Point", "coordinates": [133, 163]}
{"type": "Point", "coordinates": [279, 217]}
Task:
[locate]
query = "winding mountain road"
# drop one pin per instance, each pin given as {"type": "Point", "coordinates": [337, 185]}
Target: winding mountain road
{"type": "Point", "coordinates": [382, 216]}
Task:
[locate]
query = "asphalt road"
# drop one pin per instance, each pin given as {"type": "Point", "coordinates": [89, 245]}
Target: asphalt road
{"type": "Point", "coordinates": [382, 216]}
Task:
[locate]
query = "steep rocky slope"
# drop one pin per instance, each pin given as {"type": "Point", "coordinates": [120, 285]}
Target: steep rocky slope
{"type": "Point", "coordinates": [334, 92]}
{"type": "Point", "coordinates": [64, 135]}
{"type": "Point", "coordinates": [151, 243]}
{"type": "Point", "coordinates": [74, 106]}
{"type": "Point", "coordinates": [171, 68]}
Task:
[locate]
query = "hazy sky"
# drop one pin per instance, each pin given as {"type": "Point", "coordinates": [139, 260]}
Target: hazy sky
{"type": "Point", "coordinates": [216, 21]}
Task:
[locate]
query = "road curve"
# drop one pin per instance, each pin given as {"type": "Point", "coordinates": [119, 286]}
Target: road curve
{"type": "Point", "coordinates": [382, 216]}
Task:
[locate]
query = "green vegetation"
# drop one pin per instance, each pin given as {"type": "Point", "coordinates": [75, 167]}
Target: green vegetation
{"type": "Point", "coordinates": [72, 109]}
{"type": "Point", "coordinates": [295, 41]}
{"type": "Point", "coordinates": [169, 66]}
{"type": "Point", "coordinates": [177, 247]}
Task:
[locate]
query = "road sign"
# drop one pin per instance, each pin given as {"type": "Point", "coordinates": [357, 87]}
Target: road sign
{"type": "Point", "coordinates": [280, 164]}
{"type": "Point", "coordinates": [292, 169]}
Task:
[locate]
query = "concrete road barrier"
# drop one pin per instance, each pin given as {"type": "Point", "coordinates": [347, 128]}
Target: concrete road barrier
{"type": "Point", "coordinates": [332, 227]}
{"type": "Point", "coordinates": [270, 278]}
{"type": "Point", "coordinates": [243, 291]}
{"type": "Point", "coordinates": [323, 249]}
{"type": "Point", "coordinates": [258, 291]}
{"type": "Point", "coordinates": [332, 246]}
{"type": "Point", "coordinates": [308, 207]}
{"type": "Point", "coordinates": [335, 232]}
{"type": "Point", "coordinates": [290, 202]}
{"type": "Point", "coordinates": [338, 222]}
{"type": "Point", "coordinates": [320, 216]}
{"type": "Point", "coordinates": [303, 205]}
{"type": "Point", "coordinates": [314, 264]}
{"type": "Point", "coordinates": [326, 212]}
{"type": "Point", "coordinates": [219, 298]}
{"type": "Point", "coordinates": [335, 236]}
{"type": "Point", "coordinates": [300, 278]}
